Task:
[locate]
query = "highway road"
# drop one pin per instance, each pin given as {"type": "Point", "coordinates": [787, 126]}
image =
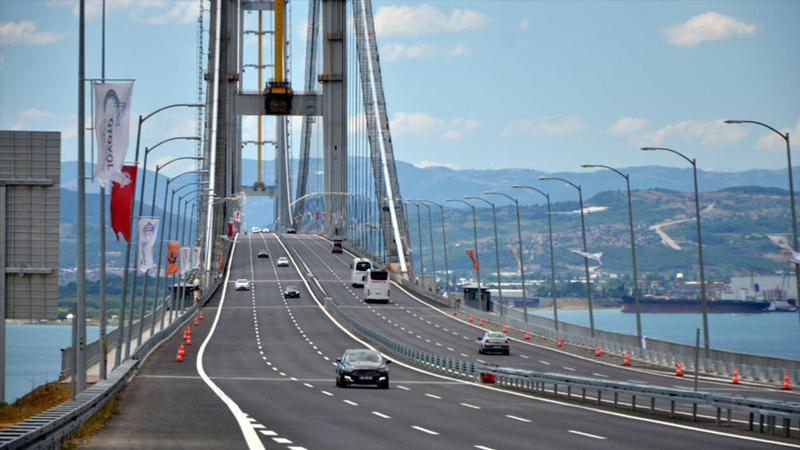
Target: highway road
{"type": "Point", "coordinates": [261, 375]}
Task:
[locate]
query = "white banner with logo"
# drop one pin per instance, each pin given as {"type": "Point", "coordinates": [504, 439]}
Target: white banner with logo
{"type": "Point", "coordinates": [186, 260]}
{"type": "Point", "coordinates": [196, 258]}
{"type": "Point", "coordinates": [112, 111]}
{"type": "Point", "coordinates": [146, 232]}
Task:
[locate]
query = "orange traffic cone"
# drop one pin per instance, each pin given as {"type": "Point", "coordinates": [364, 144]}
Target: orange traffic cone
{"type": "Point", "coordinates": [181, 350]}
{"type": "Point", "coordinates": [189, 340]}
{"type": "Point", "coordinates": [597, 350]}
{"type": "Point", "coordinates": [527, 336]}
{"type": "Point", "coordinates": [179, 356]}
{"type": "Point", "coordinates": [505, 328]}
{"type": "Point", "coordinates": [678, 369]}
{"type": "Point", "coordinates": [201, 314]}
{"type": "Point", "coordinates": [559, 342]}
{"type": "Point", "coordinates": [481, 322]}
{"type": "Point", "coordinates": [469, 317]}
{"type": "Point", "coordinates": [735, 376]}
{"type": "Point", "coordinates": [195, 321]}
{"type": "Point", "coordinates": [626, 361]}
{"type": "Point", "coordinates": [786, 386]}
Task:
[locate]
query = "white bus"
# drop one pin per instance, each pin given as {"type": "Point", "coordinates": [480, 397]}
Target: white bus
{"type": "Point", "coordinates": [358, 270]}
{"type": "Point", "coordinates": [376, 286]}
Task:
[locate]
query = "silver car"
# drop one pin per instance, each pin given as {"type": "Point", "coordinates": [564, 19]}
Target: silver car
{"type": "Point", "coordinates": [493, 341]}
{"type": "Point", "coordinates": [241, 284]}
{"type": "Point", "coordinates": [283, 262]}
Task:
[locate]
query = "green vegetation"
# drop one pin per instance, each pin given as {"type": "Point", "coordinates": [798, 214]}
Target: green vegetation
{"type": "Point", "coordinates": [38, 400]}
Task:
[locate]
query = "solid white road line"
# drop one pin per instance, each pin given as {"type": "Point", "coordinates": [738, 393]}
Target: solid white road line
{"type": "Point", "coordinates": [381, 415]}
{"type": "Point", "coordinates": [249, 434]}
{"type": "Point", "coordinates": [425, 430]}
{"type": "Point", "coordinates": [581, 433]}
{"type": "Point", "coordinates": [521, 419]}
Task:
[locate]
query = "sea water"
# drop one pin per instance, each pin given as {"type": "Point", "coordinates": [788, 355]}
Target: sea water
{"type": "Point", "coordinates": [33, 355]}
{"type": "Point", "coordinates": [771, 334]}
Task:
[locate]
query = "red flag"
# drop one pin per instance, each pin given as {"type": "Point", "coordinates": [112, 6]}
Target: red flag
{"type": "Point", "coordinates": [471, 254]}
{"type": "Point", "coordinates": [230, 229]}
{"type": "Point", "coordinates": [121, 198]}
{"type": "Point", "coordinates": [172, 257]}
{"type": "Point", "coordinates": [317, 216]}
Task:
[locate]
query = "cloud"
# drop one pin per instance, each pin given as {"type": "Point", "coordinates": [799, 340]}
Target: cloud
{"type": "Point", "coordinates": [424, 125]}
{"type": "Point", "coordinates": [26, 32]}
{"type": "Point", "coordinates": [35, 114]}
{"type": "Point", "coordinates": [548, 126]}
{"type": "Point", "coordinates": [710, 133]}
{"type": "Point", "coordinates": [710, 26]}
{"type": "Point", "coordinates": [181, 13]}
{"type": "Point", "coordinates": [396, 51]}
{"type": "Point", "coordinates": [424, 164]}
{"type": "Point", "coordinates": [627, 125]}
{"type": "Point", "coordinates": [523, 24]}
{"type": "Point", "coordinates": [773, 142]}
{"type": "Point", "coordinates": [418, 20]}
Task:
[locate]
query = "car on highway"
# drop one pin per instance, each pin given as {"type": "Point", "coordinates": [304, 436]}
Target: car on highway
{"type": "Point", "coordinates": [291, 230]}
{"type": "Point", "coordinates": [283, 262]}
{"type": "Point", "coordinates": [242, 284]}
{"type": "Point", "coordinates": [358, 271]}
{"type": "Point", "coordinates": [255, 230]}
{"type": "Point", "coordinates": [262, 254]}
{"type": "Point", "coordinates": [362, 366]}
{"type": "Point", "coordinates": [291, 292]}
{"type": "Point", "coordinates": [336, 246]}
{"type": "Point", "coordinates": [493, 341]}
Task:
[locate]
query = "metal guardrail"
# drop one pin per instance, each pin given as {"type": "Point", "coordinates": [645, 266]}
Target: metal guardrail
{"type": "Point", "coordinates": [48, 429]}
{"type": "Point", "coordinates": [611, 343]}
{"type": "Point", "coordinates": [563, 385]}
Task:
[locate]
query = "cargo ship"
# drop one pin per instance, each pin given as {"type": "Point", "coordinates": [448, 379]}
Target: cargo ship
{"type": "Point", "coordinates": [652, 304]}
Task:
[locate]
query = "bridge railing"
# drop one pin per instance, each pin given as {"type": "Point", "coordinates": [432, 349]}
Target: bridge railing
{"type": "Point", "coordinates": [715, 362]}
{"type": "Point", "coordinates": [561, 385]}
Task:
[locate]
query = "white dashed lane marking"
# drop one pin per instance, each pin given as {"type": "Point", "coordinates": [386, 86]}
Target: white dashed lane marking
{"type": "Point", "coordinates": [425, 430]}
{"type": "Point", "coordinates": [521, 419]}
{"type": "Point", "coordinates": [381, 415]}
{"type": "Point", "coordinates": [470, 406]}
{"type": "Point", "coordinates": [581, 433]}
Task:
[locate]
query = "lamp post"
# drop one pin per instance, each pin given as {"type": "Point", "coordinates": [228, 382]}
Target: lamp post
{"type": "Point", "coordinates": [444, 243]}
{"type": "Point", "coordinates": [142, 120]}
{"type": "Point", "coordinates": [583, 236]}
{"type": "Point", "coordinates": [552, 256]}
{"type": "Point", "coordinates": [419, 240]}
{"type": "Point", "coordinates": [136, 256]}
{"type": "Point", "coordinates": [475, 243]}
{"type": "Point", "coordinates": [636, 293]}
{"type": "Point", "coordinates": [791, 197]}
{"type": "Point", "coordinates": [496, 251]}
{"type": "Point", "coordinates": [430, 238]}
{"type": "Point", "coordinates": [703, 300]}
{"type": "Point", "coordinates": [521, 256]}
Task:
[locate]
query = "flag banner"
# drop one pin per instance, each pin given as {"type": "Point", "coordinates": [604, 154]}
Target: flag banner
{"type": "Point", "coordinates": [112, 109]}
{"type": "Point", "coordinates": [121, 198]}
{"type": "Point", "coordinates": [782, 243]}
{"type": "Point", "coordinates": [195, 257]}
{"type": "Point", "coordinates": [186, 260]}
{"type": "Point", "coordinates": [172, 257]}
{"type": "Point", "coordinates": [471, 254]}
{"type": "Point", "coordinates": [146, 235]}
{"type": "Point", "coordinates": [593, 256]}
{"type": "Point", "coordinates": [230, 229]}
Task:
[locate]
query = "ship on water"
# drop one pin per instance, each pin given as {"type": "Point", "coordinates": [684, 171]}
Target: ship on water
{"type": "Point", "coordinates": [753, 294]}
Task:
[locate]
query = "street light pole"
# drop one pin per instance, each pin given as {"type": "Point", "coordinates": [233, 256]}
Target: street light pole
{"type": "Point", "coordinates": [430, 237]}
{"type": "Point", "coordinates": [703, 300]}
{"type": "Point", "coordinates": [444, 245]}
{"type": "Point", "coordinates": [636, 293]}
{"type": "Point", "coordinates": [521, 256]}
{"type": "Point", "coordinates": [552, 256]}
{"type": "Point", "coordinates": [791, 198]}
{"type": "Point", "coordinates": [475, 243]}
{"type": "Point", "coordinates": [496, 251]}
{"type": "Point", "coordinates": [419, 242]}
{"type": "Point", "coordinates": [585, 250]}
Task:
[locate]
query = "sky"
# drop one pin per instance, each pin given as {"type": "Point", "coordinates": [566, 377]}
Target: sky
{"type": "Point", "coordinates": [469, 84]}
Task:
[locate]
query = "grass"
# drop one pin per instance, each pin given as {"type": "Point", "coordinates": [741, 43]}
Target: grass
{"type": "Point", "coordinates": [40, 399]}
{"type": "Point", "coordinates": [93, 425]}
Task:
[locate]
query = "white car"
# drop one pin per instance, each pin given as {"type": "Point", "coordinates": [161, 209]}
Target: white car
{"type": "Point", "coordinates": [283, 262]}
{"type": "Point", "coordinates": [255, 230]}
{"type": "Point", "coordinates": [242, 284]}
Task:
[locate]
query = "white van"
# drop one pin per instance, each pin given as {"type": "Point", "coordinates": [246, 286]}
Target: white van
{"type": "Point", "coordinates": [376, 286]}
{"type": "Point", "coordinates": [358, 270]}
